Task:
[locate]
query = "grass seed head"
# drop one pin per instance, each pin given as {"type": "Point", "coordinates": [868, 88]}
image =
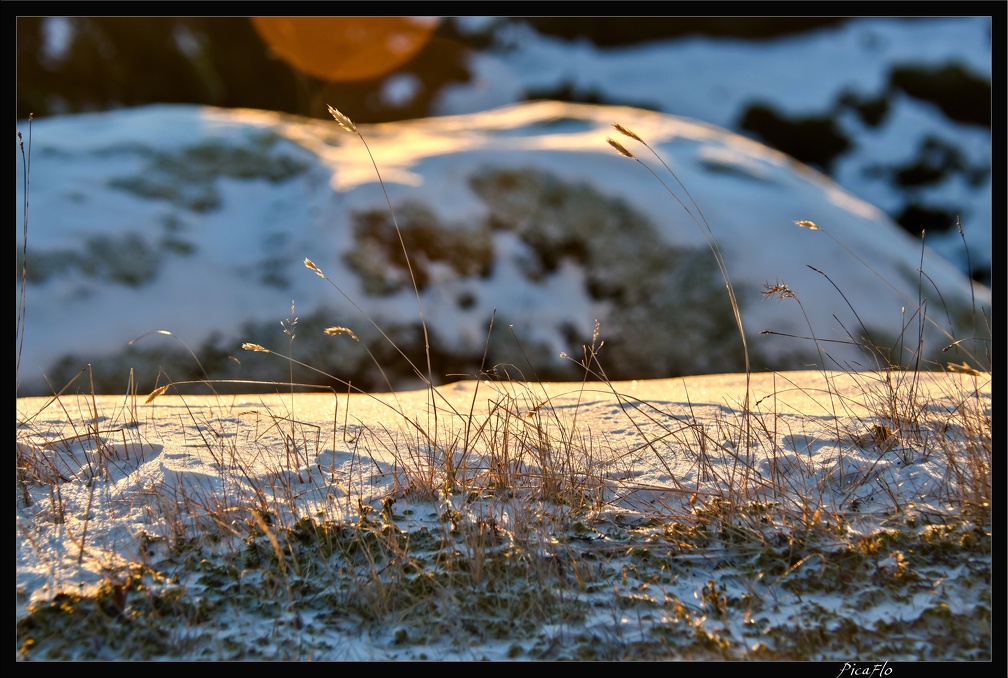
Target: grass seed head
{"type": "Point", "coordinates": [626, 132]}
{"type": "Point", "coordinates": [341, 330]}
{"type": "Point", "coordinates": [311, 266]}
{"type": "Point", "coordinates": [964, 368]}
{"type": "Point", "coordinates": [156, 392]}
{"type": "Point", "coordinates": [620, 148]}
{"type": "Point", "coordinates": [342, 120]}
{"type": "Point", "coordinates": [779, 290]}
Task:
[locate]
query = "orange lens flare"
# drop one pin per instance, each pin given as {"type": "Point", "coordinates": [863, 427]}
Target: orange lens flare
{"type": "Point", "coordinates": [345, 49]}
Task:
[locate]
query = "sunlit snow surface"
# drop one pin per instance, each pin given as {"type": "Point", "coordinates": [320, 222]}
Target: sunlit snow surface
{"type": "Point", "coordinates": [177, 467]}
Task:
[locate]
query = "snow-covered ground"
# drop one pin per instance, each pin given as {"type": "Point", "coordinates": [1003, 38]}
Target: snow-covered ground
{"type": "Point", "coordinates": [139, 494]}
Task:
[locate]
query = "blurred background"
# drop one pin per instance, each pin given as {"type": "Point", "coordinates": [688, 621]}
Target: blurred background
{"type": "Point", "coordinates": [897, 111]}
{"type": "Point", "coordinates": [384, 69]}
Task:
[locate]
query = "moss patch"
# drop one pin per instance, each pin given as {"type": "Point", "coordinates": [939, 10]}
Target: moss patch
{"type": "Point", "coordinates": [668, 312]}
{"type": "Point", "coordinates": [187, 177]}
{"type": "Point", "coordinates": [378, 253]}
{"type": "Point", "coordinates": [124, 259]}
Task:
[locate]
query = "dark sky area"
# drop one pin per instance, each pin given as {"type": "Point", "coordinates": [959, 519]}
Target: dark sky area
{"type": "Point", "coordinates": [95, 63]}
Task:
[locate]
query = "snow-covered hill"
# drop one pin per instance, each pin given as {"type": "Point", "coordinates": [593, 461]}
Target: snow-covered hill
{"type": "Point", "coordinates": [197, 221]}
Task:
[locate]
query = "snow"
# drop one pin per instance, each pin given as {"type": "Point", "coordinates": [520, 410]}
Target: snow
{"type": "Point", "coordinates": [749, 194]}
{"type": "Point", "coordinates": [195, 450]}
{"type": "Point", "coordinates": [714, 79]}
{"type": "Point", "coordinates": [243, 237]}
